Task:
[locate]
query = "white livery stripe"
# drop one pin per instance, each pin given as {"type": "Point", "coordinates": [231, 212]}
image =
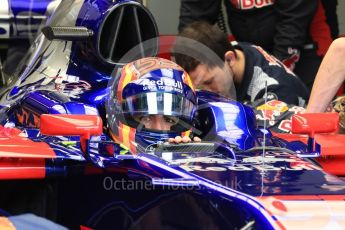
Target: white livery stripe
{"type": "Point", "coordinates": [4, 19]}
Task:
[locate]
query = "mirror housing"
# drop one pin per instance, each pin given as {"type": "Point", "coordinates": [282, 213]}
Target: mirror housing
{"type": "Point", "coordinates": [312, 123]}
{"type": "Point", "coordinates": [84, 126]}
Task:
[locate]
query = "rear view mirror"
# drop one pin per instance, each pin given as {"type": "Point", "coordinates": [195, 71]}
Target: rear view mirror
{"type": "Point", "coordinates": [84, 126]}
{"type": "Point", "coordinates": [312, 123]}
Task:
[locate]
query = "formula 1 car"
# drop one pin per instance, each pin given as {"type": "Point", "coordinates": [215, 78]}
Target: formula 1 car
{"type": "Point", "coordinates": [57, 159]}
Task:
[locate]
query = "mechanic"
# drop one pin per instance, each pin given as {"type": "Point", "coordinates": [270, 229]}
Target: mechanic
{"type": "Point", "coordinates": [296, 32]}
{"type": "Point", "coordinates": [329, 78]}
{"type": "Point", "coordinates": [214, 64]}
{"type": "Point", "coordinates": [152, 99]}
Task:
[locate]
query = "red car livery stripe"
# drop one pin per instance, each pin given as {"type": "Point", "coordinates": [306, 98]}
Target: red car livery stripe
{"type": "Point", "coordinates": [20, 157]}
{"type": "Point", "coordinates": [292, 137]}
{"type": "Point", "coordinates": [24, 148]}
{"type": "Point", "coordinates": [21, 168]}
{"type": "Point", "coordinates": [292, 212]}
{"type": "Point", "coordinates": [330, 144]}
{"type": "Point", "coordinates": [333, 164]}
{"type": "Point", "coordinates": [331, 147]}
{"type": "Point", "coordinates": [13, 145]}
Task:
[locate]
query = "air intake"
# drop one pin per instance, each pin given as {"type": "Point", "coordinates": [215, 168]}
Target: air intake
{"type": "Point", "coordinates": [128, 25]}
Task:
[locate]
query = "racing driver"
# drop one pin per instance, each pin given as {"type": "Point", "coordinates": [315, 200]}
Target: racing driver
{"type": "Point", "coordinates": [151, 100]}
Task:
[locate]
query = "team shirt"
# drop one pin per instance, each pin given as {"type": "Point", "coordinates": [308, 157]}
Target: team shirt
{"type": "Point", "coordinates": [261, 68]}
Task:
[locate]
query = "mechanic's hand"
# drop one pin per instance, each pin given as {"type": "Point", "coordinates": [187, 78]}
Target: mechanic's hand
{"type": "Point", "coordinates": [184, 139]}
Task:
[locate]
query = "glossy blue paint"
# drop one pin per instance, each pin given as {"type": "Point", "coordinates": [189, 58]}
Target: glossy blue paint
{"type": "Point", "coordinates": [14, 91]}
{"type": "Point", "coordinates": [41, 102]}
{"type": "Point", "coordinates": [96, 80]}
{"type": "Point", "coordinates": [2, 31]}
{"type": "Point", "coordinates": [153, 82]}
{"type": "Point", "coordinates": [161, 200]}
{"type": "Point", "coordinates": [227, 119]}
{"type": "Point", "coordinates": [31, 6]}
{"type": "Point", "coordinates": [281, 174]}
{"type": "Point", "coordinates": [28, 16]}
{"type": "Point", "coordinates": [91, 15]}
{"type": "Point", "coordinates": [213, 186]}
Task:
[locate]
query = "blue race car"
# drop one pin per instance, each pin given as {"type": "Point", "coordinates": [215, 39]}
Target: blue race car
{"type": "Point", "coordinates": [61, 156]}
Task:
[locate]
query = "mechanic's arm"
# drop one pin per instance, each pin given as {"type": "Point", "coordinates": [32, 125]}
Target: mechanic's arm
{"type": "Point", "coordinates": [198, 10]}
{"type": "Point", "coordinates": [330, 76]}
{"type": "Point", "coordinates": [292, 28]}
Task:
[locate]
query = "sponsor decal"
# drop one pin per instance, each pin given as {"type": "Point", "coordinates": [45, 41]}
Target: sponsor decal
{"type": "Point", "coordinates": [251, 4]}
{"type": "Point", "coordinates": [277, 113]}
{"type": "Point", "coordinates": [285, 125]}
{"type": "Point", "coordinates": [271, 111]}
{"type": "Point", "coordinates": [274, 105]}
{"type": "Point", "coordinates": [271, 162]}
{"type": "Point", "coordinates": [292, 59]}
{"type": "Point", "coordinates": [164, 84]}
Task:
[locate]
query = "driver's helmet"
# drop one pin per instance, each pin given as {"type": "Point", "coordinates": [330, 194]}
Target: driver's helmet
{"type": "Point", "coordinates": [149, 86]}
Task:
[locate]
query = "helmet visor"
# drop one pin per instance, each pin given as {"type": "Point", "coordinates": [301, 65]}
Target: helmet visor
{"type": "Point", "coordinates": [159, 103]}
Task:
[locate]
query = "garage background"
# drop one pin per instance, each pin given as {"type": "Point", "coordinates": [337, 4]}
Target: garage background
{"type": "Point", "coordinates": [166, 13]}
